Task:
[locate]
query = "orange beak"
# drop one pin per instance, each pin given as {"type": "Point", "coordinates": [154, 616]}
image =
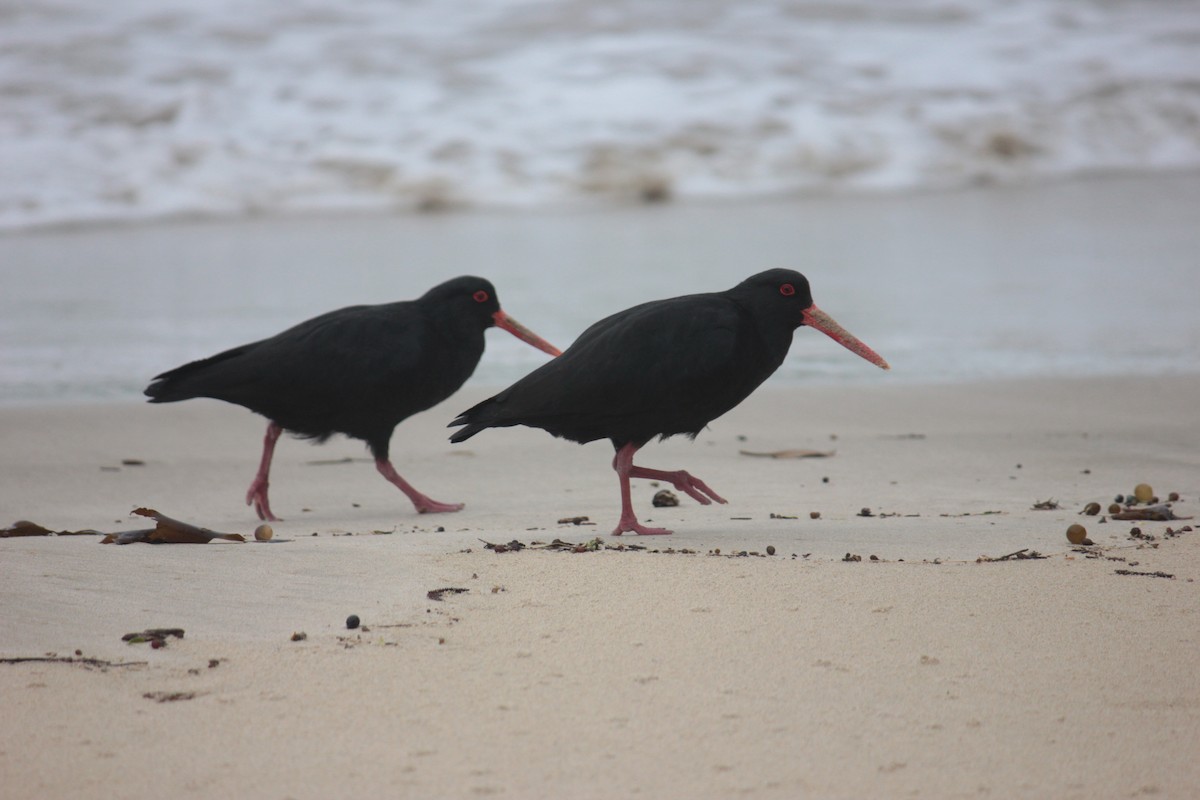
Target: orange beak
{"type": "Point", "coordinates": [518, 330]}
{"type": "Point", "coordinates": [819, 320]}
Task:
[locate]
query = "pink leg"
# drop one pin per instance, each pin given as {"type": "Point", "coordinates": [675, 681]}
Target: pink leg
{"type": "Point", "coordinates": [683, 481]}
{"type": "Point", "coordinates": [257, 493]}
{"type": "Point", "coordinates": [623, 464]}
{"type": "Point", "coordinates": [423, 504]}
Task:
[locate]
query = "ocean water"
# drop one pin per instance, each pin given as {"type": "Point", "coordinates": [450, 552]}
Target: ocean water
{"type": "Point", "coordinates": [1079, 278]}
{"type": "Point", "coordinates": [142, 110]}
{"type": "Point", "coordinates": [178, 178]}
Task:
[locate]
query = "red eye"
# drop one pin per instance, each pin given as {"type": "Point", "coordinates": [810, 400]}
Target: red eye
{"type": "Point", "coordinates": [481, 296]}
{"type": "Point", "coordinates": [787, 290]}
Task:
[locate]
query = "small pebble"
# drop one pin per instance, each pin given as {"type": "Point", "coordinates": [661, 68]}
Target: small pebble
{"type": "Point", "coordinates": [299, 636]}
{"type": "Point", "coordinates": [1173, 497]}
{"type": "Point", "coordinates": [770, 549]}
{"type": "Point", "coordinates": [1143, 493]}
{"type": "Point", "coordinates": [1076, 534]}
{"type": "Point", "coordinates": [664, 498]}
{"type": "Point", "coordinates": [814, 515]}
{"type": "Point", "coordinates": [352, 621]}
{"type": "Point", "coordinates": [1114, 509]}
{"type": "Point", "coordinates": [1091, 509]}
{"type": "Point", "coordinates": [263, 533]}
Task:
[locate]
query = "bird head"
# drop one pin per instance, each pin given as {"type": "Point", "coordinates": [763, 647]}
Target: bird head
{"type": "Point", "coordinates": [478, 297]}
{"type": "Point", "coordinates": [790, 295]}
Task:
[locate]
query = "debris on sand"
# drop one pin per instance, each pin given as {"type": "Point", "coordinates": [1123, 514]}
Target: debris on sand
{"type": "Point", "coordinates": [1077, 534]}
{"type": "Point", "coordinates": [157, 637]}
{"type": "Point", "coordinates": [436, 594]}
{"type": "Point", "coordinates": [1024, 554]}
{"type": "Point", "coordinates": [664, 498]}
{"type": "Point", "coordinates": [168, 531]}
{"type": "Point", "coordinates": [168, 697]}
{"type": "Point", "coordinates": [1158, 513]}
{"type": "Point", "coordinates": [789, 453]}
{"type": "Point", "coordinates": [1155, 574]}
{"type": "Point", "coordinates": [24, 527]}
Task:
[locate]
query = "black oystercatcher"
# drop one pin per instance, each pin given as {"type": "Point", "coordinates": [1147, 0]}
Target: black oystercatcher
{"type": "Point", "coordinates": [660, 369]}
{"type": "Point", "coordinates": [359, 371]}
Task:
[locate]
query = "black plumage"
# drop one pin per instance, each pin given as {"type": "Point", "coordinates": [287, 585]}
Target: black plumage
{"type": "Point", "coordinates": [662, 368]}
{"type": "Point", "coordinates": [357, 371]}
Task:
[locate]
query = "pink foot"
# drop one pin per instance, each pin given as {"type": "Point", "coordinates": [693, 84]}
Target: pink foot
{"type": "Point", "coordinates": [423, 504]}
{"type": "Point", "coordinates": [427, 505]}
{"type": "Point", "coordinates": [682, 480]}
{"type": "Point", "coordinates": [257, 496]}
{"type": "Point", "coordinates": [634, 526]}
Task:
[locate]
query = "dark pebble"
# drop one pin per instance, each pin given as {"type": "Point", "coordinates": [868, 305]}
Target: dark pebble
{"type": "Point", "coordinates": [770, 549]}
{"type": "Point", "coordinates": [352, 621]}
{"type": "Point", "coordinates": [664, 498]}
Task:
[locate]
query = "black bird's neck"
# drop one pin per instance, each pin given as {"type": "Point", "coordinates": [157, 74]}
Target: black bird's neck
{"type": "Point", "coordinates": [774, 335]}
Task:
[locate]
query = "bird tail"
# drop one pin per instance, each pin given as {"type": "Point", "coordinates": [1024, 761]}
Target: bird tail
{"type": "Point", "coordinates": [165, 388]}
{"type": "Point", "coordinates": [194, 379]}
{"type": "Point", "coordinates": [476, 418]}
{"type": "Point", "coordinates": [466, 433]}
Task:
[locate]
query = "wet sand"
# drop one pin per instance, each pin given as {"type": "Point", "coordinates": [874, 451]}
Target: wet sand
{"type": "Point", "coordinates": [670, 671]}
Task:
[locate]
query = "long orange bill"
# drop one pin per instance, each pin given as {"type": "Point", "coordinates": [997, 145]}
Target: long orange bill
{"type": "Point", "coordinates": [818, 319]}
{"type": "Point", "coordinates": [525, 335]}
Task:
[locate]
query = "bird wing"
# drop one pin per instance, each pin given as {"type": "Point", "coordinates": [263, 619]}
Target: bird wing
{"type": "Point", "coordinates": [654, 361]}
{"type": "Point", "coordinates": [318, 359]}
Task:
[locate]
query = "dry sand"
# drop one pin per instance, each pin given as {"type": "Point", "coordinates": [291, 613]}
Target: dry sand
{"type": "Point", "coordinates": [615, 673]}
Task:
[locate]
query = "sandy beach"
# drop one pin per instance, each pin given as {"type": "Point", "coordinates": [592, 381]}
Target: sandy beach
{"type": "Point", "coordinates": [699, 667]}
{"type": "Point", "coordinates": [1000, 198]}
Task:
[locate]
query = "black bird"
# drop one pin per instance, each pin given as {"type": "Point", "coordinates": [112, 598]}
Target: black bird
{"type": "Point", "coordinates": [662, 368]}
{"type": "Point", "coordinates": [359, 371]}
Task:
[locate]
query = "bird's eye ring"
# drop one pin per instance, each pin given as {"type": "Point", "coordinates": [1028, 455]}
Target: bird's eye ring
{"type": "Point", "coordinates": [787, 290]}
{"type": "Point", "coordinates": [481, 296]}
